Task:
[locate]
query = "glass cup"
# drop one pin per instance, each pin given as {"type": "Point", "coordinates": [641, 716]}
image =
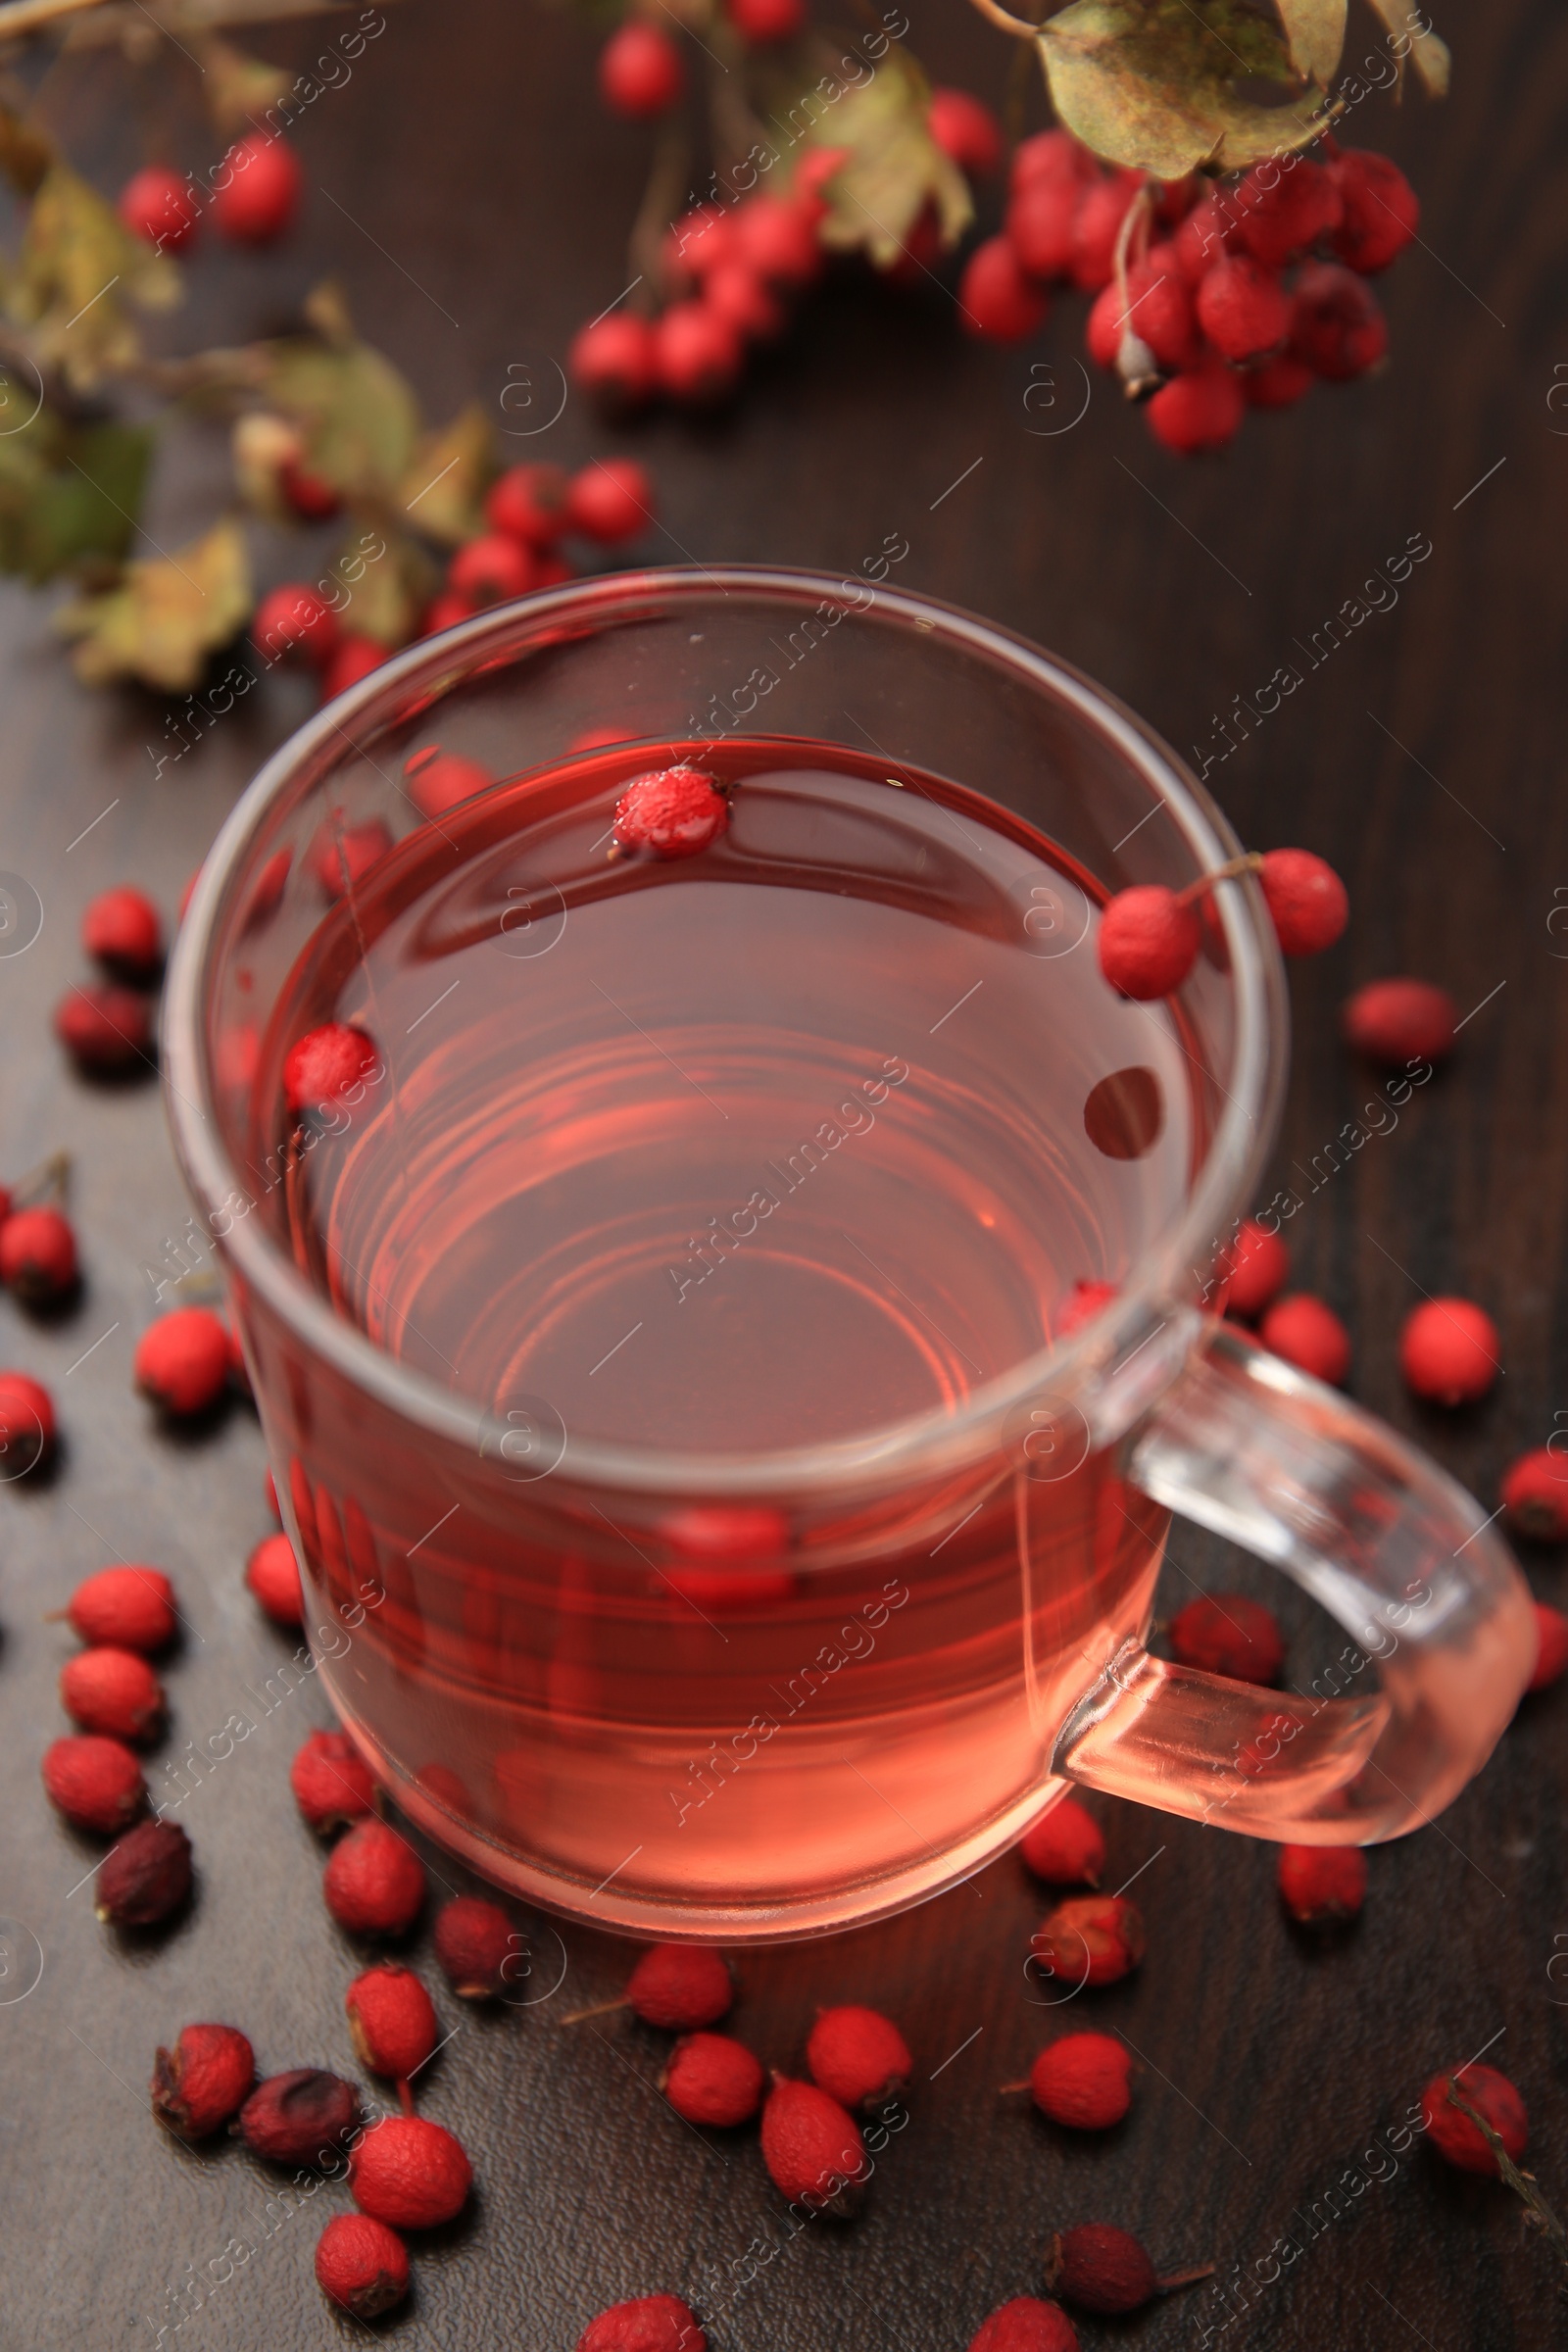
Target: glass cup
{"type": "Point", "coordinates": [760, 1697]}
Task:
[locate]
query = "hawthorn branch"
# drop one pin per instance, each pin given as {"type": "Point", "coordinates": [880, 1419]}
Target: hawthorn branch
{"type": "Point", "coordinates": [1523, 2185]}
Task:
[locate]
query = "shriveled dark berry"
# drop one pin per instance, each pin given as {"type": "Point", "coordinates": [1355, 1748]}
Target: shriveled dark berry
{"type": "Point", "coordinates": [300, 2117]}
{"type": "Point", "coordinates": [146, 1876]}
{"type": "Point", "coordinates": [477, 1948]}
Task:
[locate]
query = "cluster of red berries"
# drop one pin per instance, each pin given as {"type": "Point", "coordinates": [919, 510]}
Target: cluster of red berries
{"type": "Point", "coordinates": [1150, 937]}
{"type": "Point", "coordinates": [125, 1616]}
{"type": "Point", "coordinates": [1211, 298]}
{"type": "Point", "coordinates": [107, 1026]}
{"type": "Point", "coordinates": [254, 199]}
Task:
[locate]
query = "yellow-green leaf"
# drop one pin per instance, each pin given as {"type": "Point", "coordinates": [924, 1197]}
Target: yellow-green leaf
{"type": "Point", "coordinates": [1164, 85]}
{"type": "Point", "coordinates": [79, 265]}
{"type": "Point", "coordinates": [1410, 36]}
{"type": "Point", "coordinates": [358, 416]}
{"type": "Point", "coordinates": [237, 88]}
{"type": "Point", "coordinates": [382, 581]}
{"type": "Point", "coordinates": [166, 615]}
{"type": "Point", "coordinates": [1314, 32]}
{"type": "Point", "coordinates": [894, 168]}
{"type": "Point", "coordinates": [452, 469]}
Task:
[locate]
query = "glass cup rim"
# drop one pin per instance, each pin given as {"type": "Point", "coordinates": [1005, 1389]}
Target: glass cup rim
{"type": "Point", "coordinates": [1241, 1139]}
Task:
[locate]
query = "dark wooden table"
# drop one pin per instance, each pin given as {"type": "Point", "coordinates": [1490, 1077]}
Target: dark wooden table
{"type": "Point", "coordinates": [473, 200]}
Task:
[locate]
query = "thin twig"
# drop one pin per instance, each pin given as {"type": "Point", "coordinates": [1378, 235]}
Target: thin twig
{"type": "Point", "coordinates": [995, 15]}
{"type": "Point", "coordinates": [666, 186]}
{"type": "Point", "coordinates": [1523, 2185]}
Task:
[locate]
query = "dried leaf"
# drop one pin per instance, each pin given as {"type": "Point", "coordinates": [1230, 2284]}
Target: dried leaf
{"type": "Point", "coordinates": [68, 500]}
{"type": "Point", "coordinates": [166, 615]}
{"type": "Point", "coordinates": [1314, 30]}
{"type": "Point", "coordinates": [452, 469]}
{"type": "Point", "coordinates": [384, 582]}
{"type": "Point", "coordinates": [79, 265]}
{"type": "Point", "coordinates": [1410, 36]}
{"type": "Point", "coordinates": [894, 168]}
{"type": "Point", "coordinates": [238, 88]}
{"type": "Point", "coordinates": [359, 417]}
{"type": "Point", "coordinates": [1164, 85]}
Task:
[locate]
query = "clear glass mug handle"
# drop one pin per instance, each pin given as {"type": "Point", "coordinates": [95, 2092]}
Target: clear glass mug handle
{"type": "Point", "coordinates": [1392, 1547]}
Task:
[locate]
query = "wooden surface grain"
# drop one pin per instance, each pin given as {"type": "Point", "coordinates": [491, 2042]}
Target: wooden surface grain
{"type": "Point", "coordinates": [472, 201]}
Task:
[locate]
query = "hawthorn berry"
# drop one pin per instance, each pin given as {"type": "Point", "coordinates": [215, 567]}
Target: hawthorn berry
{"type": "Point", "coordinates": [1103, 2269]}
{"type": "Point", "coordinates": [1396, 1022]}
{"type": "Point", "coordinates": [1149, 940]}
{"type": "Point", "coordinates": [674, 812]}
{"type": "Point", "coordinates": [330, 1779]}
{"type": "Point", "coordinates": [713, 2080]}
{"type": "Point", "coordinates": [1201, 409]}
{"type": "Point", "coordinates": [1449, 1351]}
{"type": "Point", "coordinates": [1309, 1335]}
{"type": "Point", "coordinates": [681, 1986]}
{"type": "Point", "coordinates": [444, 612]}
{"type": "Point", "coordinates": [1158, 309]}
{"type": "Point", "coordinates": [1090, 1939]}
{"type": "Point", "coordinates": [27, 1424]}
{"type": "Point", "coordinates": [340, 855]}
{"type": "Point", "coordinates": [1336, 325]}
{"type": "Point", "coordinates": [775, 236]}
{"type": "Point", "coordinates": [859, 2057]}
{"type": "Point", "coordinates": [302, 2116]}
{"type": "Point", "coordinates": [38, 1256]}
{"type": "Point", "coordinates": [1203, 234]}
{"type": "Point", "coordinates": [529, 503]}
{"type": "Point", "coordinates": [200, 2082]}
{"type": "Point", "coordinates": [107, 1031]}
{"type": "Point", "coordinates": [640, 71]}
{"type": "Point", "coordinates": [1379, 210]}
{"type": "Point", "coordinates": [966, 131]}
{"type": "Point", "coordinates": [352, 659]}
{"type": "Point", "coordinates": [1457, 2140]}
{"type": "Point", "coordinates": [727, 1555]}
{"type": "Point", "coordinates": [697, 352]}
{"type": "Point", "coordinates": [325, 1064]}
{"type": "Point", "coordinates": [616, 360]}
{"type": "Point", "coordinates": [125, 1608]}
{"type": "Point", "coordinates": [1225, 1633]}
{"type": "Point", "coordinates": [1051, 155]}
{"type": "Point", "coordinates": [996, 299]}
{"type": "Point", "coordinates": [374, 1883]}
{"type": "Point", "coordinates": [392, 2021]}
{"type": "Point", "coordinates": [766, 19]}
{"type": "Point", "coordinates": [812, 2150]}
{"type": "Point", "coordinates": [1083, 2080]}
{"type": "Point", "coordinates": [738, 296]}
{"type": "Point", "coordinates": [409, 2174]}
{"type": "Point", "coordinates": [1551, 1646]}
{"type": "Point", "coordinates": [650, 2323]}
{"type": "Point", "coordinates": [476, 1946]}
{"type": "Point", "coordinates": [610, 500]}
{"type": "Point", "coordinates": [1243, 308]}
{"type": "Point", "coordinates": [256, 190]}
{"type": "Point", "coordinates": [1066, 1846]}
{"type": "Point", "coordinates": [1322, 1885]}
{"type": "Point", "coordinates": [1026, 2325]}
{"type": "Point", "coordinates": [291, 619]}
{"type": "Point", "coordinates": [491, 570]}
{"type": "Point", "coordinates": [1278, 218]}
{"type": "Point", "coordinates": [181, 1361]}
{"type": "Point", "coordinates": [160, 206]}
{"type": "Point", "coordinates": [362, 2265]}
{"type": "Point", "coordinates": [273, 1579]}
{"type": "Point", "coordinates": [1039, 226]}
{"type": "Point", "coordinates": [113, 1692]}
{"type": "Point", "coordinates": [94, 1782]}
{"type": "Point", "coordinates": [1306, 900]}
{"type": "Point", "coordinates": [145, 1878]}
{"type": "Point", "coordinates": [308, 495]}
{"type": "Point", "coordinates": [123, 930]}
{"type": "Point", "coordinates": [1277, 383]}
{"type": "Point", "coordinates": [699, 243]}
{"type": "Point", "coordinates": [1534, 1496]}
{"type": "Point", "coordinates": [1096, 226]}
{"type": "Point", "coordinates": [1259, 1266]}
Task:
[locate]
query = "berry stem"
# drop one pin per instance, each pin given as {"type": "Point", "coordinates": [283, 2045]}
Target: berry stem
{"type": "Point", "coordinates": [48, 1182]}
{"type": "Point", "coordinates": [1005, 2090]}
{"type": "Point", "coordinates": [1523, 2185]}
{"type": "Point", "coordinates": [600, 2009]}
{"type": "Point", "coordinates": [1249, 862]}
{"type": "Point", "coordinates": [667, 182]}
{"type": "Point", "coordinates": [994, 15]}
{"type": "Point", "coordinates": [404, 2098]}
{"type": "Point", "coordinates": [1178, 2279]}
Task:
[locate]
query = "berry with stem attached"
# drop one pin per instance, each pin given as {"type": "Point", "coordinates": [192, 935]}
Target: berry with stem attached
{"type": "Point", "coordinates": [203, 2080]}
{"type": "Point", "coordinates": [476, 1946]}
{"type": "Point", "coordinates": [182, 1361]}
{"type": "Point", "coordinates": [1083, 2082]}
{"type": "Point", "coordinates": [362, 2265]}
{"type": "Point", "coordinates": [680, 1986]}
{"type": "Point", "coordinates": [812, 2150]}
{"type": "Point", "coordinates": [1090, 1939]}
{"type": "Point", "coordinates": [129, 1607]}
{"type": "Point", "coordinates": [1225, 1633]}
{"type": "Point", "coordinates": [146, 1876]}
{"type": "Point", "coordinates": [1322, 1885]}
{"type": "Point", "coordinates": [1306, 900]}
{"type": "Point", "coordinates": [1534, 1496]}
{"type": "Point", "coordinates": [1459, 2141]}
{"type": "Point", "coordinates": [38, 1256]}
{"type": "Point", "coordinates": [640, 71]}
{"type": "Point", "coordinates": [257, 199]}
{"type": "Point", "coordinates": [123, 930]}
{"type": "Point", "coordinates": [375, 1882]}
{"type": "Point", "coordinates": [114, 1692]}
{"type": "Point", "coordinates": [1026, 2325]}
{"type": "Point", "coordinates": [273, 1578]}
{"type": "Point", "coordinates": [302, 2115]}
{"type": "Point", "coordinates": [411, 2174]}
{"type": "Point", "coordinates": [1401, 1021]}
{"type": "Point", "coordinates": [859, 2057]}
{"type": "Point", "coordinates": [330, 1779]}
{"type": "Point", "coordinates": [392, 2020]}
{"type": "Point", "coordinates": [713, 2080]}
{"type": "Point", "coordinates": [1449, 1351]}
{"type": "Point", "coordinates": [94, 1782]}
{"type": "Point", "coordinates": [648, 2324]}
{"type": "Point", "coordinates": [1066, 1846]}
{"type": "Point", "coordinates": [1105, 2270]}
{"type": "Point", "coordinates": [1309, 1335]}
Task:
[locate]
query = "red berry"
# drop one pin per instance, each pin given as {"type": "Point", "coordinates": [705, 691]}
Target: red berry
{"type": "Point", "coordinates": [681, 1986]}
{"type": "Point", "coordinates": [107, 1031]}
{"type": "Point", "coordinates": [651, 2323]}
{"type": "Point", "coordinates": [200, 2082]}
{"type": "Point", "coordinates": [1259, 1266]}
{"type": "Point", "coordinates": [437, 780]}
{"type": "Point", "coordinates": [1149, 940]}
{"type": "Point", "coordinates": [1106, 327]}
{"type": "Point", "coordinates": [1027, 2324]}
{"type": "Point", "coordinates": [640, 71]}
{"type": "Point", "coordinates": [1241, 308]}
{"type": "Point", "coordinates": [325, 1064]}
{"type": "Point", "coordinates": [38, 1256]}
{"type": "Point", "coordinates": [727, 1555]}
{"type": "Point", "coordinates": [738, 296]}
{"type": "Point", "coordinates": [272, 1576]}
{"type": "Point", "coordinates": [95, 1783]}
{"type": "Point", "coordinates": [1040, 221]}
{"type": "Point", "coordinates": [1534, 1496]}
{"type": "Point", "coordinates": [859, 2057]}
{"type": "Point", "coordinates": [491, 570]}
{"type": "Point", "coordinates": [1322, 1885]}
{"type": "Point", "coordinates": [1336, 325]}
{"type": "Point", "coordinates": [1551, 1646]}
{"type": "Point", "coordinates": [374, 1884]}
{"type": "Point", "coordinates": [477, 1948]}
{"type": "Point", "coordinates": [182, 1361]}
{"type": "Point", "coordinates": [776, 236]}
{"type": "Point", "coordinates": [1100, 2267]}
{"type": "Point", "coordinates": [995, 297]}
{"type": "Point", "coordinates": [528, 504]}
{"type": "Point", "coordinates": [307, 494]}
{"type": "Point", "coordinates": [392, 2020]}
{"type": "Point", "coordinates": [766, 19]}
{"type": "Point", "coordinates": [352, 659]}
{"type": "Point", "coordinates": [674, 812]}
{"type": "Point", "coordinates": [259, 197]}
{"type": "Point", "coordinates": [1399, 1022]}
{"type": "Point", "coordinates": [157, 203]}
{"type": "Point", "coordinates": [699, 243]}
{"type": "Point", "coordinates": [1380, 209]}
{"type": "Point", "coordinates": [919, 254]}
{"type": "Point", "coordinates": [1284, 209]}
{"type": "Point", "coordinates": [444, 612]}
{"type": "Point", "coordinates": [331, 1782]}
{"type": "Point", "coordinates": [126, 1608]}
{"type": "Point", "coordinates": [966, 130]}
{"type": "Point", "coordinates": [300, 2117]}
{"type": "Point", "coordinates": [341, 856]}
{"type": "Point", "coordinates": [1083, 2080]}
{"type": "Point", "coordinates": [698, 353]}
{"type": "Point", "coordinates": [812, 2150]}
{"type": "Point", "coordinates": [1449, 1351]}
{"type": "Point", "coordinates": [610, 500]}
{"type": "Point", "coordinates": [1308, 1335]}
{"type": "Point", "coordinates": [113, 1691]}
{"type": "Point", "coordinates": [409, 2174]}
{"type": "Point", "coordinates": [123, 930]}
{"type": "Point", "coordinates": [1158, 309]}
{"type": "Point", "coordinates": [145, 1878]}
{"type": "Point", "coordinates": [1096, 225]}
{"type": "Point", "coordinates": [1090, 1939]}
{"type": "Point", "coordinates": [1066, 1846]}
{"type": "Point", "coordinates": [1084, 1301]}
{"type": "Point", "coordinates": [1306, 900]}
{"type": "Point", "coordinates": [1277, 383]}
{"type": "Point", "coordinates": [713, 2080]}
{"type": "Point", "coordinates": [1051, 155]}
{"type": "Point", "coordinates": [616, 360]}
{"type": "Point", "coordinates": [293, 618]}
{"type": "Point", "coordinates": [1199, 409]}
{"type": "Point", "coordinates": [27, 1424]}
{"type": "Point", "coordinates": [1451, 2132]}
{"type": "Point", "coordinates": [1228, 1634]}
{"type": "Point", "coordinates": [362, 2265]}
{"type": "Point", "coordinates": [1204, 234]}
